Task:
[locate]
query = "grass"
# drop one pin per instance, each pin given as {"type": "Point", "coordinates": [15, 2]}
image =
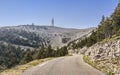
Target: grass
{"type": "Point", "coordinates": [18, 70]}
{"type": "Point", "coordinates": [96, 64]}
{"type": "Point", "coordinates": [108, 39]}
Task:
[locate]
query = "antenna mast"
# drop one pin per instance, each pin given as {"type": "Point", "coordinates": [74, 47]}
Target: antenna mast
{"type": "Point", "coordinates": [52, 22]}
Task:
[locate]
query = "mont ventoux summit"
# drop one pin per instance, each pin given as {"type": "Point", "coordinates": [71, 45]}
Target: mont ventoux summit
{"type": "Point", "coordinates": [51, 50]}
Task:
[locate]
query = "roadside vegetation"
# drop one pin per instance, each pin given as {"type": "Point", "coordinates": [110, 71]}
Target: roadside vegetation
{"type": "Point", "coordinates": [18, 70]}
{"type": "Point", "coordinates": [96, 64]}
{"type": "Point", "coordinates": [10, 56]}
{"type": "Point", "coordinates": [108, 28]}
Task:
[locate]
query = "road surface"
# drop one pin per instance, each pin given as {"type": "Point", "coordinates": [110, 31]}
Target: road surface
{"type": "Point", "coordinates": [69, 65]}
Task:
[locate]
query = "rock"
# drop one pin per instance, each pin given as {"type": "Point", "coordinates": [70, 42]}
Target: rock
{"type": "Point", "coordinates": [106, 53]}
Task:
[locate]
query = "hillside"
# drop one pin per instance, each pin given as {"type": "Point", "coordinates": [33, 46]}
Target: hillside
{"type": "Point", "coordinates": [24, 43]}
{"type": "Point", "coordinates": [102, 48]}
{"type": "Point", "coordinates": [35, 36]}
{"type": "Point", "coordinates": [105, 56]}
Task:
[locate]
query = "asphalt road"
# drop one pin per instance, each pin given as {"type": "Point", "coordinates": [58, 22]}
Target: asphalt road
{"type": "Point", "coordinates": [69, 65]}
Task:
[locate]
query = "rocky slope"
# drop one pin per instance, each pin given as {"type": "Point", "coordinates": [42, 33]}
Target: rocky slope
{"type": "Point", "coordinates": [34, 36]}
{"type": "Point", "coordinates": [105, 55]}
{"type": "Point", "coordinates": [17, 41]}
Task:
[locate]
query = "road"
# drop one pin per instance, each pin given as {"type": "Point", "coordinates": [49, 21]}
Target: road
{"type": "Point", "coordinates": [69, 65]}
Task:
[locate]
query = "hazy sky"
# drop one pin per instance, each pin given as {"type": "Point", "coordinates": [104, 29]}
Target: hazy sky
{"type": "Point", "coordinates": [67, 13]}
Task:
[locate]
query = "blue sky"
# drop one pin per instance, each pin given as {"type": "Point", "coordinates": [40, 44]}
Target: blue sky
{"type": "Point", "coordinates": [67, 13]}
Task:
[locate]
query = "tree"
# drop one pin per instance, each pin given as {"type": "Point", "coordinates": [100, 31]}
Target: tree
{"type": "Point", "coordinates": [27, 58]}
{"type": "Point", "coordinates": [57, 53]}
{"type": "Point", "coordinates": [40, 53]}
{"type": "Point", "coordinates": [103, 19]}
{"type": "Point", "coordinates": [116, 19]}
{"type": "Point", "coordinates": [118, 33]}
{"type": "Point", "coordinates": [49, 51]}
{"type": "Point", "coordinates": [63, 51]}
{"type": "Point", "coordinates": [107, 28]}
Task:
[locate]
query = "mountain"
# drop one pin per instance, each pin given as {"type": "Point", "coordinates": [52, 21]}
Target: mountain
{"type": "Point", "coordinates": [34, 36]}
{"type": "Point", "coordinates": [20, 44]}
{"type": "Point", "coordinates": [102, 48]}
{"type": "Point", "coordinates": [105, 56]}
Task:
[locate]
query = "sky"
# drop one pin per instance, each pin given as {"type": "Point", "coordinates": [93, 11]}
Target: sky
{"type": "Point", "coordinates": [66, 13]}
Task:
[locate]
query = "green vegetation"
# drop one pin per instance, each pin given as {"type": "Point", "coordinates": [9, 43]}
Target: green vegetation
{"type": "Point", "coordinates": [87, 60]}
{"type": "Point", "coordinates": [11, 56]}
{"type": "Point", "coordinates": [43, 52]}
{"type": "Point", "coordinates": [32, 40]}
{"type": "Point", "coordinates": [27, 57]}
{"type": "Point", "coordinates": [18, 70]}
{"type": "Point", "coordinates": [108, 27]}
{"type": "Point", "coordinates": [96, 64]}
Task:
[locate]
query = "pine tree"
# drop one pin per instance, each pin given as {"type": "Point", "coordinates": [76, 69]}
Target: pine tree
{"type": "Point", "coordinates": [116, 19]}
{"type": "Point", "coordinates": [103, 19]}
{"type": "Point", "coordinates": [40, 53]}
{"type": "Point", "coordinates": [108, 28]}
{"type": "Point", "coordinates": [27, 58]}
{"type": "Point", "coordinates": [49, 51]}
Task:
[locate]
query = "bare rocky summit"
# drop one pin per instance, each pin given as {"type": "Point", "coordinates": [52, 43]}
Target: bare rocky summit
{"type": "Point", "coordinates": [34, 35]}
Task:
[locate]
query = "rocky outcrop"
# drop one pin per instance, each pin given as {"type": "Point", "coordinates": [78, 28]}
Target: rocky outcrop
{"type": "Point", "coordinates": [35, 36]}
{"type": "Point", "coordinates": [105, 55]}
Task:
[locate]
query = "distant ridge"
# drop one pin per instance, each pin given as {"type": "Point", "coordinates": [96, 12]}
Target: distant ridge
{"type": "Point", "coordinates": [35, 36]}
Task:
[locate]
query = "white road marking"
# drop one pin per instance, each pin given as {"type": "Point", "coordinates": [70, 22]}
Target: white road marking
{"type": "Point", "coordinates": [40, 65]}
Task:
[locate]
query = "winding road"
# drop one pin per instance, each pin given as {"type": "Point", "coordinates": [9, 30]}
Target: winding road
{"type": "Point", "coordinates": [69, 65]}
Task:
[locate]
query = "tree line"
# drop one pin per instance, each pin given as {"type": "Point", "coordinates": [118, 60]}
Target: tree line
{"type": "Point", "coordinates": [11, 56]}
{"type": "Point", "coordinates": [108, 27]}
{"type": "Point", "coordinates": [43, 52]}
